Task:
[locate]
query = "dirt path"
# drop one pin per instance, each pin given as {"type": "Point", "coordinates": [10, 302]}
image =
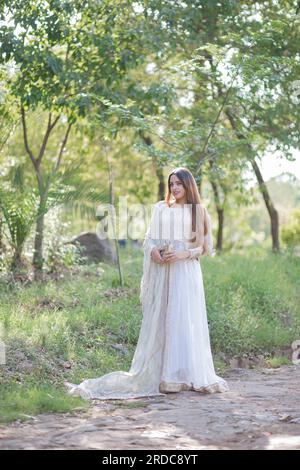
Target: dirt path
{"type": "Point", "coordinates": [261, 411]}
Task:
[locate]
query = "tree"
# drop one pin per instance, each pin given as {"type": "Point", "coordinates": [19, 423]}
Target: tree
{"type": "Point", "coordinates": [67, 57]}
{"type": "Point", "coordinates": [239, 60]}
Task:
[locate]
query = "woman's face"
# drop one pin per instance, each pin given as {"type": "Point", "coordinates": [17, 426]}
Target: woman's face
{"type": "Point", "coordinates": [176, 188]}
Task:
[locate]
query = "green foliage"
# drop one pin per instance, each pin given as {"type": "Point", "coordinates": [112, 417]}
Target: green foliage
{"type": "Point", "coordinates": [18, 205]}
{"type": "Point", "coordinates": [252, 302]}
{"type": "Point", "coordinates": [67, 52]}
{"type": "Point", "coordinates": [68, 329]}
{"type": "Point", "coordinates": [274, 362]}
{"type": "Point", "coordinates": [207, 85]}
{"type": "Point", "coordinates": [22, 404]}
{"type": "Point", "coordinates": [19, 211]}
{"type": "Point", "coordinates": [290, 233]}
{"type": "Point", "coordinates": [61, 257]}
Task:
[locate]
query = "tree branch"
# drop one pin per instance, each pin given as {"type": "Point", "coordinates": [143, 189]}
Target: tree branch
{"type": "Point", "coordinates": [202, 152]}
{"type": "Point", "coordinates": [64, 142]}
{"type": "Point", "coordinates": [46, 137]}
{"type": "Point", "coordinates": [25, 135]}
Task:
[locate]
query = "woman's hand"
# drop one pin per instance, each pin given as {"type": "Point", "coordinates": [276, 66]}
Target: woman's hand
{"type": "Point", "coordinates": [176, 255]}
{"type": "Point", "coordinates": [156, 257]}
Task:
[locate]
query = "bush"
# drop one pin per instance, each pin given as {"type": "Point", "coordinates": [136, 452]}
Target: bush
{"type": "Point", "coordinates": [290, 233]}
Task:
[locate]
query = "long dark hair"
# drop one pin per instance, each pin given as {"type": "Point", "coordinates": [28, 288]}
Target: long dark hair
{"type": "Point", "coordinates": [193, 200]}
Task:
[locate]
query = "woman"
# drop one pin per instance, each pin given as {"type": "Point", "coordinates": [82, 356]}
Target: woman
{"type": "Point", "coordinates": [173, 351]}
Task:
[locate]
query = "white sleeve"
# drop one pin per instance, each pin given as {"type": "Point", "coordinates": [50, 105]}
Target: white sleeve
{"type": "Point", "coordinates": [209, 236]}
{"type": "Point", "coordinates": [208, 248]}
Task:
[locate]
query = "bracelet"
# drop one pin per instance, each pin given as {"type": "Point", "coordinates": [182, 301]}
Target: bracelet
{"type": "Point", "coordinates": [194, 253]}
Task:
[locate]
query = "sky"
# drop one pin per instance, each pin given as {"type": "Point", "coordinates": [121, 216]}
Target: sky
{"type": "Point", "coordinates": [270, 166]}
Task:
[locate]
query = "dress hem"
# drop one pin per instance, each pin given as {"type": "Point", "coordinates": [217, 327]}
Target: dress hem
{"type": "Point", "coordinates": [167, 387]}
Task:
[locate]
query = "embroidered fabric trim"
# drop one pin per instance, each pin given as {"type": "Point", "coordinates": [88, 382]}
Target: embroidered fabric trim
{"type": "Point", "coordinates": [169, 387]}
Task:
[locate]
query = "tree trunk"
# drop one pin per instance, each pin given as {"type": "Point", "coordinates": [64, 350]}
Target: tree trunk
{"type": "Point", "coordinates": [161, 182]}
{"type": "Point", "coordinates": [262, 186]}
{"type": "Point", "coordinates": [18, 262]}
{"type": "Point", "coordinates": [38, 259]}
{"type": "Point", "coordinates": [43, 189]}
{"type": "Point", "coordinates": [113, 222]}
{"type": "Point", "coordinates": [161, 190]}
{"type": "Point", "coordinates": [2, 246]}
{"type": "Point", "coordinates": [220, 212]}
{"type": "Point", "coordinates": [200, 181]}
{"type": "Point", "coordinates": [273, 213]}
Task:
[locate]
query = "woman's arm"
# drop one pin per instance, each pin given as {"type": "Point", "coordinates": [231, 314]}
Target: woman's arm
{"type": "Point", "coordinates": [207, 248]}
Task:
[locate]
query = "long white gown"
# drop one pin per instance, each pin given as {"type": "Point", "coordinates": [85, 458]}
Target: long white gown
{"type": "Point", "coordinates": [173, 352]}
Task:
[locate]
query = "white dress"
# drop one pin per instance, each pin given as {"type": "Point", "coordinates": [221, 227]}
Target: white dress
{"type": "Point", "coordinates": [173, 352]}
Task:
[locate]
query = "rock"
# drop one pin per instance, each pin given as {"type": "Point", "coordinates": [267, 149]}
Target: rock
{"type": "Point", "coordinates": [295, 420]}
{"type": "Point", "coordinates": [65, 364]}
{"type": "Point", "coordinates": [256, 413]}
{"type": "Point", "coordinates": [237, 371]}
{"type": "Point", "coordinates": [239, 362]}
{"type": "Point", "coordinates": [121, 348]}
{"type": "Point", "coordinates": [285, 418]}
{"type": "Point", "coordinates": [93, 249]}
{"type": "Point", "coordinates": [27, 365]}
{"type": "Point", "coordinates": [234, 363]}
{"type": "Point", "coordinates": [20, 356]}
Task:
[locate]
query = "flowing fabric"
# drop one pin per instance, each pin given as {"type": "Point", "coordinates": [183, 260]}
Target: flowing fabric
{"type": "Point", "coordinates": [173, 351]}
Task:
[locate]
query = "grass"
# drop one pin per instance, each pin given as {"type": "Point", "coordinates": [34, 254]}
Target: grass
{"type": "Point", "coordinates": [65, 329]}
{"type": "Point", "coordinates": [274, 362]}
{"type": "Point", "coordinates": [253, 302]}
{"type": "Point", "coordinates": [23, 403]}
